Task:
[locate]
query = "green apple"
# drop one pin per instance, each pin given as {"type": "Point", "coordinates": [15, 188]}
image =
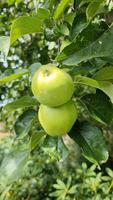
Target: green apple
{"type": "Point", "coordinates": [57, 121]}
{"type": "Point", "coordinates": [52, 86]}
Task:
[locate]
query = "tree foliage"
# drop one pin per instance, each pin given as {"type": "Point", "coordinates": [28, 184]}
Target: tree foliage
{"type": "Point", "coordinates": [76, 36]}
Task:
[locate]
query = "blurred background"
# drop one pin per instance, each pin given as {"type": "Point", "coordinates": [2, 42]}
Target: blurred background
{"type": "Point", "coordinates": [46, 175]}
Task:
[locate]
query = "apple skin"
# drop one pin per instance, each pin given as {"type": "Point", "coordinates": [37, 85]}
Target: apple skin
{"type": "Point", "coordinates": [52, 86]}
{"type": "Point", "coordinates": [57, 121]}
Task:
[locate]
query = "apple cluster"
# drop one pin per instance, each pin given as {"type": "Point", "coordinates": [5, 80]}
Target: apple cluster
{"type": "Point", "coordinates": [54, 88]}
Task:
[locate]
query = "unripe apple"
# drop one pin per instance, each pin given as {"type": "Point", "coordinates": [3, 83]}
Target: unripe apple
{"type": "Point", "coordinates": [57, 121]}
{"type": "Point", "coordinates": [52, 86]}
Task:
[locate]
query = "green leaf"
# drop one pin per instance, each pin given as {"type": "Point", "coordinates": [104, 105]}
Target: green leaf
{"type": "Point", "coordinates": [12, 166]}
{"type": "Point", "coordinates": [10, 2]}
{"type": "Point", "coordinates": [79, 24]}
{"type": "Point", "coordinates": [24, 123]}
{"type": "Point", "coordinates": [25, 25]}
{"type": "Point", "coordinates": [91, 141]}
{"type": "Point", "coordinates": [14, 76]}
{"type": "Point", "coordinates": [4, 44]}
{"type": "Point", "coordinates": [70, 17]}
{"type": "Point", "coordinates": [105, 86]}
{"type": "Point", "coordinates": [109, 172]}
{"type": "Point", "coordinates": [85, 1]}
{"type": "Point", "coordinates": [62, 29]}
{"type": "Point", "coordinates": [23, 102]}
{"type": "Point", "coordinates": [86, 37]}
{"type": "Point", "coordinates": [34, 67]}
{"type": "Point", "coordinates": [51, 4]}
{"type": "Point", "coordinates": [88, 1]}
{"type": "Point", "coordinates": [102, 48]}
{"type": "Point", "coordinates": [4, 193]}
{"type": "Point", "coordinates": [50, 141]}
{"type": "Point", "coordinates": [93, 8]}
{"type": "Point", "coordinates": [62, 148]}
{"type": "Point", "coordinates": [42, 14]}
{"type": "Point", "coordinates": [60, 9]}
{"type": "Point", "coordinates": [61, 184]}
{"type": "Point", "coordinates": [35, 138]}
{"type": "Point", "coordinates": [58, 144]}
{"type": "Point", "coordinates": [99, 107]}
{"type": "Point", "coordinates": [106, 73]}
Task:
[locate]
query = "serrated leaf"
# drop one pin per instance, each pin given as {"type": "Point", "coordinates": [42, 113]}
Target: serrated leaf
{"type": "Point", "coordinates": [60, 9]}
{"type": "Point", "coordinates": [102, 48]}
{"type": "Point", "coordinates": [25, 25]}
{"type": "Point", "coordinates": [91, 141]}
{"type": "Point", "coordinates": [14, 76]}
{"type": "Point", "coordinates": [12, 166]}
{"type": "Point", "coordinates": [23, 102]}
{"type": "Point", "coordinates": [105, 86]}
{"type": "Point", "coordinates": [24, 123]}
{"type": "Point", "coordinates": [4, 44]}
{"type": "Point", "coordinates": [106, 73]}
{"type": "Point", "coordinates": [99, 107]}
{"type": "Point", "coordinates": [61, 184]}
{"type": "Point", "coordinates": [58, 194]}
{"type": "Point", "coordinates": [73, 189]}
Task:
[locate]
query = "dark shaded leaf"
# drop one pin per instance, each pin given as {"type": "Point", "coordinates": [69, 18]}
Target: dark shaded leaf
{"type": "Point", "coordinates": [58, 144]}
{"type": "Point", "coordinates": [79, 24]}
{"type": "Point", "coordinates": [35, 138]}
{"type": "Point", "coordinates": [102, 48]}
{"type": "Point", "coordinates": [99, 107]}
{"type": "Point", "coordinates": [24, 123]}
{"type": "Point", "coordinates": [91, 141]}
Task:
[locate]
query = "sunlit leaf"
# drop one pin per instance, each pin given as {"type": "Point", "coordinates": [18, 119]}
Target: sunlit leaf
{"type": "Point", "coordinates": [25, 25]}
{"type": "Point", "coordinates": [23, 102]}
{"type": "Point", "coordinates": [14, 76]}
{"type": "Point", "coordinates": [61, 7]}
